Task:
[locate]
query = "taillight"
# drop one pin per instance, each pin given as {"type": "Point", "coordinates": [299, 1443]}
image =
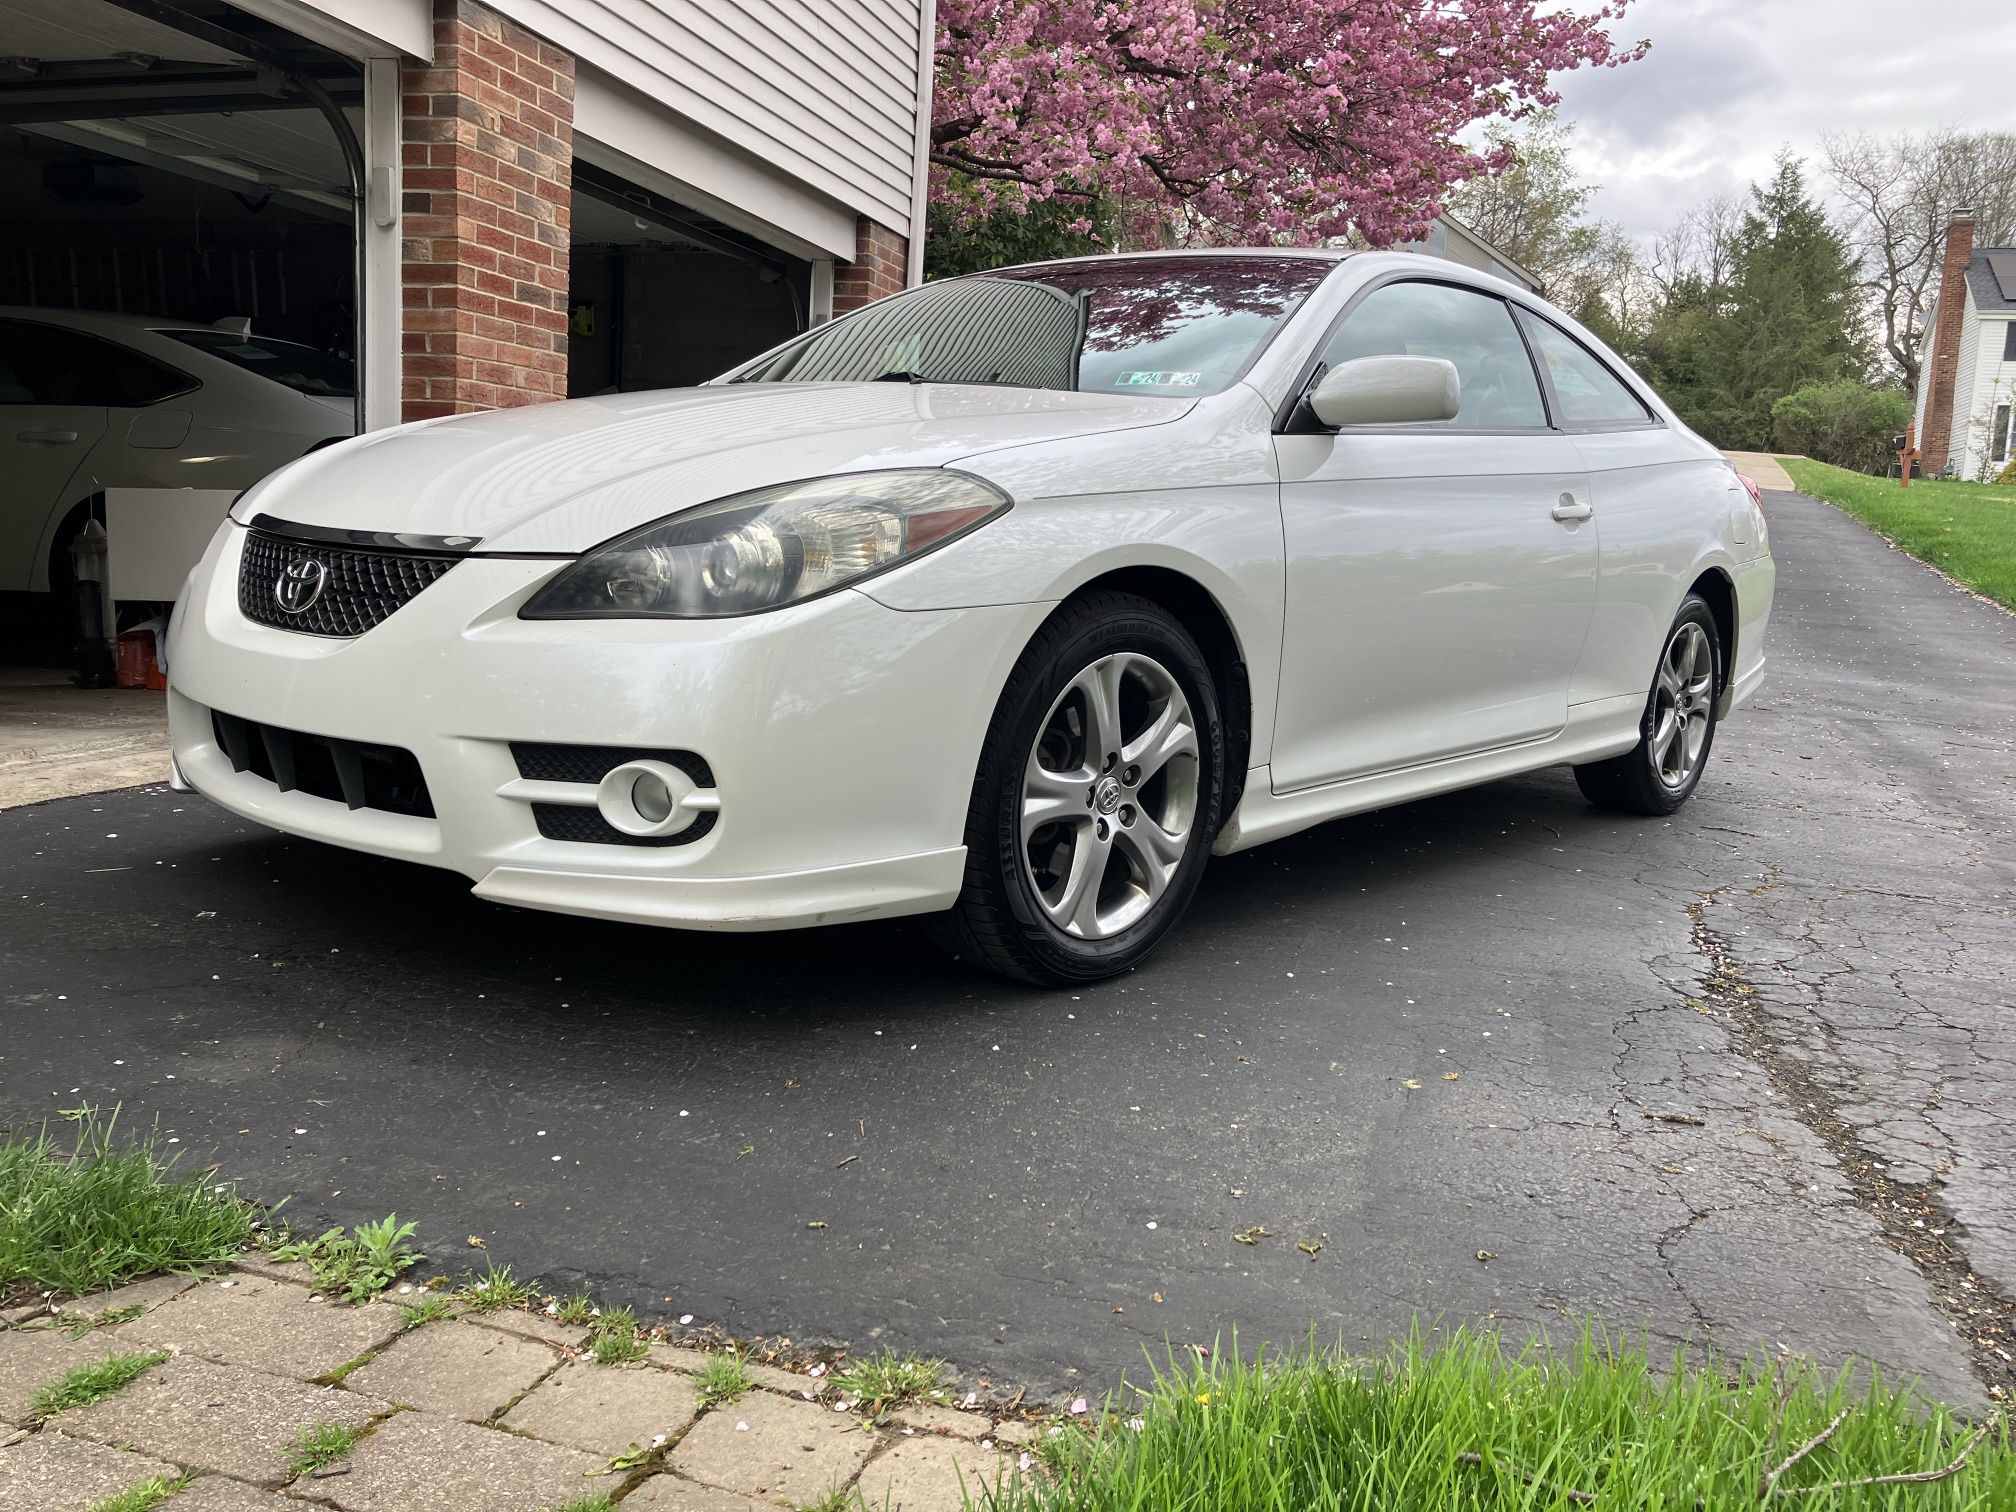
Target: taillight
{"type": "Point", "coordinates": [1750, 487]}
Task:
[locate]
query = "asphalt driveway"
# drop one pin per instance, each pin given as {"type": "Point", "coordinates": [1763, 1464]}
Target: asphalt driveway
{"type": "Point", "coordinates": [1744, 1077]}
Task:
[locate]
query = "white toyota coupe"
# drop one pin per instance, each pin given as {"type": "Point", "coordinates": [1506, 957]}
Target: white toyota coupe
{"type": "Point", "coordinates": [1007, 600]}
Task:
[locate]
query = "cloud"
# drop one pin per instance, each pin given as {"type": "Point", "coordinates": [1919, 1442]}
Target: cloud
{"type": "Point", "coordinates": [1728, 83]}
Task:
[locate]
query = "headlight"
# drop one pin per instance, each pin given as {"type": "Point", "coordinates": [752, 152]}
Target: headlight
{"type": "Point", "coordinates": [769, 548]}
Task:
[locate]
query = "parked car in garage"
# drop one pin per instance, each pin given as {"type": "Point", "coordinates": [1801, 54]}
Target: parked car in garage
{"type": "Point", "coordinates": [90, 401]}
{"type": "Point", "coordinates": [1008, 600]}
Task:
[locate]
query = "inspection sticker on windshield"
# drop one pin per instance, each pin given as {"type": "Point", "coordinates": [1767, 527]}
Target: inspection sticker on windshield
{"type": "Point", "coordinates": [1132, 379]}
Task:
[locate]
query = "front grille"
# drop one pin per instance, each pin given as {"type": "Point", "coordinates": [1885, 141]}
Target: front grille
{"type": "Point", "coordinates": [351, 772]}
{"type": "Point", "coordinates": [588, 765]}
{"type": "Point", "coordinates": [360, 589]}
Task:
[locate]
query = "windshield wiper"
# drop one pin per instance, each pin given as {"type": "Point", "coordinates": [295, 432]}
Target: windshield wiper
{"type": "Point", "coordinates": [898, 375]}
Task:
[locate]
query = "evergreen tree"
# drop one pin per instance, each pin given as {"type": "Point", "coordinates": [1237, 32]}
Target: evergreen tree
{"type": "Point", "coordinates": [1791, 316]}
{"type": "Point", "coordinates": [1751, 312]}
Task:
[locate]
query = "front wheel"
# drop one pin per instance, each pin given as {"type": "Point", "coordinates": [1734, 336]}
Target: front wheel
{"type": "Point", "coordinates": [1096, 798]}
{"type": "Point", "coordinates": [1661, 772]}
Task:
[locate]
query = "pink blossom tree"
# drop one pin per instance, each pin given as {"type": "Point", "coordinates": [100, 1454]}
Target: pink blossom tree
{"type": "Point", "coordinates": [1275, 120]}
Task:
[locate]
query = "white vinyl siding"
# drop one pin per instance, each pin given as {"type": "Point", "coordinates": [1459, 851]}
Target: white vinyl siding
{"type": "Point", "coordinates": [824, 90]}
{"type": "Point", "coordinates": [1987, 380]}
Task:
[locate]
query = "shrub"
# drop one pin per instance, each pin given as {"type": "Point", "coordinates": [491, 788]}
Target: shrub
{"type": "Point", "coordinates": [1844, 422]}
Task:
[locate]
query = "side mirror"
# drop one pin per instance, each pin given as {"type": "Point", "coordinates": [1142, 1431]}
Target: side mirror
{"type": "Point", "coordinates": [1387, 391]}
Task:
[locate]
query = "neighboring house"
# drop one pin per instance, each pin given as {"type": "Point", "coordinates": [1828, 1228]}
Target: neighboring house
{"type": "Point", "coordinates": [1449, 238]}
{"type": "Point", "coordinates": [1966, 400]}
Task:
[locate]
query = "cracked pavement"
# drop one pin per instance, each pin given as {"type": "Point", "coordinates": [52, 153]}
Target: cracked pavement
{"type": "Point", "coordinates": [1411, 1037]}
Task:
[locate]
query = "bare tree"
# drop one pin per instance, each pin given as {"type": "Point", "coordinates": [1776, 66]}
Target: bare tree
{"type": "Point", "coordinates": [1699, 248]}
{"type": "Point", "coordinates": [1900, 193]}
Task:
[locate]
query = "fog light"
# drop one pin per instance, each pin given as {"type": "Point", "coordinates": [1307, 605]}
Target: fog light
{"type": "Point", "coordinates": [650, 799]}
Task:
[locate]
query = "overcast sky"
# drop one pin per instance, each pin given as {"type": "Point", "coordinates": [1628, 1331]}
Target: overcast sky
{"type": "Point", "coordinates": [1728, 82]}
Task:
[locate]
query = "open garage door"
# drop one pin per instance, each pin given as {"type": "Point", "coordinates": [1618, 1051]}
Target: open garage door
{"type": "Point", "coordinates": [663, 295]}
{"type": "Point", "coordinates": [179, 284]}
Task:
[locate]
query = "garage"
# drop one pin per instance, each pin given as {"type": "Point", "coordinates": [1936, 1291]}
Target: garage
{"type": "Point", "coordinates": [180, 285]}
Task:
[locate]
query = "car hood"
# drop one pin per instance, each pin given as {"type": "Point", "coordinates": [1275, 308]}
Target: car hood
{"type": "Point", "coordinates": [564, 477]}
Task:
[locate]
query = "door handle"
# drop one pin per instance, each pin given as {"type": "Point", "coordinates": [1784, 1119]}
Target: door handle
{"type": "Point", "coordinates": [47, 437]}
{"type": "Point", "coordinates": [1570, 508]}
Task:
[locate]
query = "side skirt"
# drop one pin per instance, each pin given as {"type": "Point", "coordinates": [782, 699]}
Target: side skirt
{"type": "Point", "coordinates": [1606, 727]}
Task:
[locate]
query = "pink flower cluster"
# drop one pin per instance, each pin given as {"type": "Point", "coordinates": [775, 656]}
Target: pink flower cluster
{"type": "Point", "coordinates": [1269, 120]}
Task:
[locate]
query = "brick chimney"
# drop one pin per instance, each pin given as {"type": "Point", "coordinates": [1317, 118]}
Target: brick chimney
{"type": "Point", "coordinates": [1942, 365]}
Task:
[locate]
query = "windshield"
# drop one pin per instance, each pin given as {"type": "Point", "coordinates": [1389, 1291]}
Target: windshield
{"type": "Point", "coordinates": [1174, 326]}
{"type": "Point", "coordinates": [301, 368]}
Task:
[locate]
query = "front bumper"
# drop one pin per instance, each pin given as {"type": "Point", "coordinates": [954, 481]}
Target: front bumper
{"type": "Point", "coordinates": [842, 736]}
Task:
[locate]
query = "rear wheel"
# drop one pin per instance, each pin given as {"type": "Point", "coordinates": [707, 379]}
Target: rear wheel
{"type": "Point", "coordinates": [1097, 794]}
{"type": "Point", "coordinates": [1677, 731]}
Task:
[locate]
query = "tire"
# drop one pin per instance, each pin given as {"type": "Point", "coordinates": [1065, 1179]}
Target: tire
{"type": "Point", "coordinates": [1085, 889]}
{"type": "Point", "coordinates": [1660, 773]}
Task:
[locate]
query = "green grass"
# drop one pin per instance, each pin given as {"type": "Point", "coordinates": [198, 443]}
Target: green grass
{"type": "Point", "coordinates": [1468, 1425]}
{"type": "Point", "coordinates": [427, 1310]}
{"type": "Point", "coordinates": [725, 1378]}
{"type": "Point", "coordinates": [889, 1378]}
{"type": "Point", "coordinates": [106, 1210]}
{"type": "Point", "coordinates": [496, 1288]}
{"type": "Point", "coordinates": [360, 1264]}
{"type": "Point", "coordinates": [1966, 530]}
{"type": "Point", "coordinates": [613, 1338]}
{"type": "Point", "coordinates": [144, 1497]}
{"type": "Point", "coordinates": [576, 1310]}
{"type": "Point", "coordinates": [84, 1384]}
{"type": "Point", "coordinates": [599, 1502]}
{"type": "Point", "coordinates": [321, 1446]}
{"type": "Point", "coordinates": [836, 1500]}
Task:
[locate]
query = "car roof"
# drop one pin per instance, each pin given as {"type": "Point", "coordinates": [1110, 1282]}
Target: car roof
{"type": "Point", "coordinates": [1269, 254]}
{"type": "Point", "coordinates": [104, 322]}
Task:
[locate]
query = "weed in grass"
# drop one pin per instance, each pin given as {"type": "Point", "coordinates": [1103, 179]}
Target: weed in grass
{"type": "Point", "coordinates": [361, 1264]}
{"type": "Point", "coordinates": [144, 1497]}
{"type": "Point", "coordinates": [889, 1378]}
{"type": "Point", "coordinates": [613, 1338]}
{"type": "Point", "coordinates": [835, 1500]}
{"type": "Point", "coordinates": [106, 1210]}
{"type": "Point", "coordinates": [321, 1446]}
{"type": "Point", "coordinates": [1465, 1422]}
{"type": "Point", "coordinates": [427, 1310]}
{"type": "Point", "coordinates": [725, 1378]}
{"type": "Point", "coordinates": [85, 1384]}
{"type": "Point", "coordinates": [576, 1310]}
{"type": "Point", "coordinates": [496, 1288]}
{"type": "Point", "coordinates": [599, 1502]}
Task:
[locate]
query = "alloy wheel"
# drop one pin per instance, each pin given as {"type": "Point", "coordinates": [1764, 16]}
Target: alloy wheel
{"type": "Point", "coordinates": [1683, 698]}
{"type": "Point", "coordinates": [1109, 795]}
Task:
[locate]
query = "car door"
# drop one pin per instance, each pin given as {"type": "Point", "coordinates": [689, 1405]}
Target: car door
{"type": "Point", "coordinates": [48, 426]}
{"type": "Point", "coordinates": [1660, 495]}
{"type": "Point", "coordinates": [1440, 577]}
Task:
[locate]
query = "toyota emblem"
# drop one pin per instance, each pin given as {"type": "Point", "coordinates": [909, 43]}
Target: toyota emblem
{"type": "Point", "coordinates": [300, 584]}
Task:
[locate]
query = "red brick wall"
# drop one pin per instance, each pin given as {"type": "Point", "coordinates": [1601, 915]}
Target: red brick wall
{"type": "Point", "coordinates": [880, 266]}
{"type": "Point", "coordinates": [488, 159]}
{"type": "Point", "coordinates": [1943, 367]}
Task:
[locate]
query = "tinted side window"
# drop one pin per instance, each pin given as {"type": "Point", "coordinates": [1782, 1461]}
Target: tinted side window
{"type": "Point", "coordinates": [1588, 392]}
{"type": "Point", "coordinates": [1473, 330]}
{"type": "Point", "coordinates": [133, 380]}
{"type": "Point", "coordinates": [43, 365]}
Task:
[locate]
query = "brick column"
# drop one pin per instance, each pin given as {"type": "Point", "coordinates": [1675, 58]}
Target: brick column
{"type": "Point", "coordinates": [881, 263]}
{"type": "Point", "coordinates": [488, 151]}
{"type": "Point", "coordinates": [1942, 364]}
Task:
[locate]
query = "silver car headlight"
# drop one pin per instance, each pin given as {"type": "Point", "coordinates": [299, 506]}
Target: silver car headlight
{"type": "Point", "coordinates": [768, 548]}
